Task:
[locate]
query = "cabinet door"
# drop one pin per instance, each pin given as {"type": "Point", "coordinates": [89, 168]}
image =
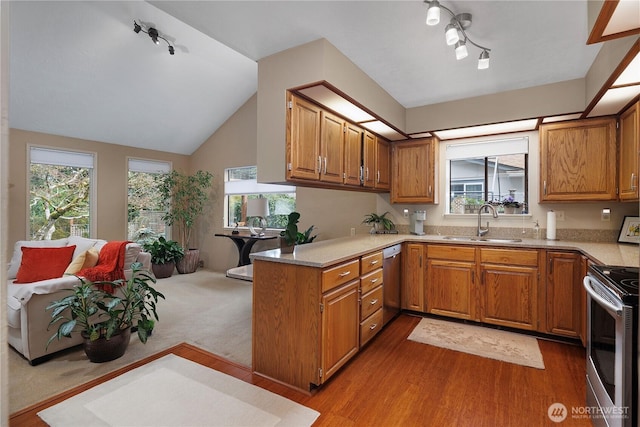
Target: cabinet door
{"type": "Point", "coordinates": [509, 296]}
{"type": "Point", "coordinates": [628, 159]}
{"type": "Point", "coordinates": [303, 145]}
{"type": "Point", "coordinates": [414, 260]}
{"type": "Point", "coordinates": [340, 327]}
{"type": "Point", "coordinates": [369, 160]}
{"type": "Point", "coordinates": [578, 160]}
{"type": "Point", "coordinates": [352, 155]}
{"type": "Point", "coordinates": [383, 164]}
{"type": "Point", "coordinates": [451, 289]}
{"type": "Point", "coordinates": [564, 281]}
{"type": "Point", "coordinates": [413, 171]}
{"type": "Point", "coordinates": [332, 130]}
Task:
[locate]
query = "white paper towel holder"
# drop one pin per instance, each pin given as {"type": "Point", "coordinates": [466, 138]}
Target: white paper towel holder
{"type": "Point", "coordinates": [553, 224]}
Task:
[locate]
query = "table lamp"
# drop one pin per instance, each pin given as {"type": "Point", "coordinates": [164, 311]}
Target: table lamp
{"type": "Point", "coordinates": [257, 210]}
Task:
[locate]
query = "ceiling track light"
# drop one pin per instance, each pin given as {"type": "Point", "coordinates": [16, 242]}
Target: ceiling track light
{"type": "Point", "coordinates": [455, 34]}
{"type": "Point", "coordinates": [154, 34]}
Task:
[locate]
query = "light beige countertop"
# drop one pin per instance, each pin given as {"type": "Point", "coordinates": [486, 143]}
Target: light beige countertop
{"type": "Point", "coordinates": [329, 252]}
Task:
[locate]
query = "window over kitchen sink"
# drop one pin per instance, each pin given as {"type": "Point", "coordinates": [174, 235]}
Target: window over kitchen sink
{"type": "Point", "coordinates": [493, 171]}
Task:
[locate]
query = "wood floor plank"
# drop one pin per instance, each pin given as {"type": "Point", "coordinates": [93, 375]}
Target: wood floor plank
{"type": "Point", "coordinates": [396, 382]}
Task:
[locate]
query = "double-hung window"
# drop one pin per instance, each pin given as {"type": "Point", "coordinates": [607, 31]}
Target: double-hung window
{"type": "Point", "coordinates": [241, 184]}
{"type": "Point", "coordinates": [61, 196]}
{"type": "Point", "coordinates": [144, 204]}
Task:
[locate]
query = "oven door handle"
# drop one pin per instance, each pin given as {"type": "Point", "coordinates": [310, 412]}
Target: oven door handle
{"type": "Point", "coordinates": [607, 304]}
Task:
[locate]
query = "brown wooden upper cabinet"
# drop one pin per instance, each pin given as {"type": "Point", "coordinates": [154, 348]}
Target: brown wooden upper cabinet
{"type": "Point", "coordinates": [325, 150]}
{"type": "Point", "coordinates": [414, 171]}
{"type": "Point", "coordinates": [629, 151]}
{"type": "Point", "coordinates": [376, 164]}
{"type": "Point", "coordinates": [578, 160]}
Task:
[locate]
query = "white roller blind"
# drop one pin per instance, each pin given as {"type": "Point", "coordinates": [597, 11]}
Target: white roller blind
{"type": "Point", "coordinates": [49, 156]}
{"type": "Point", "coordinates": [149, 166]}
{"type": "Point", "coordinates": [475, 150]}
{"type": "Point", "coordinates": [252, 186]}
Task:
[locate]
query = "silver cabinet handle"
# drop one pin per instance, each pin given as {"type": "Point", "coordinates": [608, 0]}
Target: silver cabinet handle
{"type": "Point", "coordinates": [325, 165]}
{"type": "Point", "coordinates": [544, 187]}
{"type": "Point", "coordinates": [633, 181]}
{"type": "Point", "coordinates": [372, 327]}
{"type": "Point", "coordinates": [346, 273]}
{"type": "Point", "coordinates": [374, 281]}
{"type": "Point", "coordinates": [373, 262]}
{"type": "Point", "coordinates": [319, 164]}
{"type": "Point", "coordinates": [367, 174]}
{"type": "Point", "coordinates": [378, 177]}
{"type": "Point", "coordinates": [430, 190]}
{"type": "Point", "coordinates": [374, 301]}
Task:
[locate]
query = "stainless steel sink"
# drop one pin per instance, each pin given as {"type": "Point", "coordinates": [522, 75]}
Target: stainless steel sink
{"type": "Point", "coordinates": [481, 239]}
{"type": "Point", "coordinates": [489, 239]}
{"type": "Point", "coordinates": [465, 238]}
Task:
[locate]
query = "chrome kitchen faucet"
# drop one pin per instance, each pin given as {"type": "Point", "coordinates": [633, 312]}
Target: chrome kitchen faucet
{"type": "Point", "coordinates": [483, 231]}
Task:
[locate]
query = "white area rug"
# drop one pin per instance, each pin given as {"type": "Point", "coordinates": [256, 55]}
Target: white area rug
{"type": "Point", "coordinates": [173, 391]}
{"type": "Point", "coordinates": [491, 343]}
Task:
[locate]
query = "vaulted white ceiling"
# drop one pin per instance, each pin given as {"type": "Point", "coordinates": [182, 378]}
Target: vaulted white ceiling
{"type": "Point", "coordinates": [77, 68]}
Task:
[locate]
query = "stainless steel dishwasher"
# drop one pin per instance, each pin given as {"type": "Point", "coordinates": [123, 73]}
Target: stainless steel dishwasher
{"type": "Point", "coordinates": [391, 267]}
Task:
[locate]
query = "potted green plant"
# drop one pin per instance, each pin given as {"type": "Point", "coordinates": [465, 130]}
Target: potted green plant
{"type": "Point", "coordinates": [379, 222]}
{"type": "Point", "coordinates": [164, 255]}
{"type": "Point", "coordinates": [184, 197]}
{"type": "Point", "coordinates": [105, 313]}
{"type": "Point", "coordinates": [290, 236]}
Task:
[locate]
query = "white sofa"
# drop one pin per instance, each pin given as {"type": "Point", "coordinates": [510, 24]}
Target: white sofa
{"type": "Point", "coordinates": [27, 316]}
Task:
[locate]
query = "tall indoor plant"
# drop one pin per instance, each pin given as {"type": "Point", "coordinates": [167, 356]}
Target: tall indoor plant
{"type": "Point", "coordinates": [184, 197]}
{"type": "Point", "coordinates": [104, 313]}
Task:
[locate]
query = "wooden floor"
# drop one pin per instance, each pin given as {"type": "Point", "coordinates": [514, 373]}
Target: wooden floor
{"type": "Point", "coordinates": [396, 382]}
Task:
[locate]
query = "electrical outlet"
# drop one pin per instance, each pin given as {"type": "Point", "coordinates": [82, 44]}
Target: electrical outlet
{"type": "Point", "coordinates": [353, 231]}
{"type": "Point", "coordinates": [405, 213]}
{"type": "Point", "coordinates": [606, 215]}
{"type": "Point", "coordinates": [559, 215]}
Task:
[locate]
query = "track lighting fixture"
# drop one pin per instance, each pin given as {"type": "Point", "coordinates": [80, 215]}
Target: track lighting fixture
{"type": "Point", "coordinates": [454, 32]}
{"type": "Point", "coordinates": [153, 33]}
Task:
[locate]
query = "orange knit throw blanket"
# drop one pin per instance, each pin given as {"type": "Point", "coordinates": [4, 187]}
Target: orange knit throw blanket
{"type": "Point", "coordinates": [110, 265]}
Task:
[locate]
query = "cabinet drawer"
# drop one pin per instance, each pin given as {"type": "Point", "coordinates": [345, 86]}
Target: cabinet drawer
{"type": "Point", "coordinates": [370, 262]}
{"type": "Point", "coordinates": [370, 327]}
{"type": "Point", "coordinates": [340, 274]}
{"type": "Point", "coordinates": [452, 253]}
{"type": "Point", "coordinates": [370, 302]}
{"type": "Point", "coordinates": [370, 281]}
{"type": "Point", "coordinates": [509, 256]}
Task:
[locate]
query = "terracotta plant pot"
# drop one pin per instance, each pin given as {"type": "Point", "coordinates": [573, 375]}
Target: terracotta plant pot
{"type": "Point", "coordinates": [286, 248]}
{"type": "Point", "coordinates": [105, 350]}
{"type": "Point", "coordinates": [189, 262]}
{"type": "Point", "coordinates": [163, 270]}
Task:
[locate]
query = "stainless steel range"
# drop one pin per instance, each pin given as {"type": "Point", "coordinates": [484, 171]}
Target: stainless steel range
{"type": "Point", "coordinates": [612, 345]}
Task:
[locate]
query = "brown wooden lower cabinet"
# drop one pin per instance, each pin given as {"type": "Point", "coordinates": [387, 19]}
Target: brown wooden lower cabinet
{"type": "Point", "coordinates": [528, 289]}
{"type": "Point", "coordinates": [564, 281]}
{"type": "Point", "coordinates": [308, 322]}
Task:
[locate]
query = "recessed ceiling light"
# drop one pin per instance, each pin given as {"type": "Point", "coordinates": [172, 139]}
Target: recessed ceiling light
{"type": "Point", "coordinates": [508, 127]}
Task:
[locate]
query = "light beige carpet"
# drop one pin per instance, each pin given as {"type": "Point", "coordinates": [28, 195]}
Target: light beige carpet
{"type": "Point", "coordinates": [177, 392]}
{"type": "Point", "coordinates": [206, 309]}
{"type": "Point", "coordinates": [486, 342]}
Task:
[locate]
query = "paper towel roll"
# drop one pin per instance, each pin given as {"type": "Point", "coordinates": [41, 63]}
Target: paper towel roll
{"type": "Point", "coordinates": [551, 225]}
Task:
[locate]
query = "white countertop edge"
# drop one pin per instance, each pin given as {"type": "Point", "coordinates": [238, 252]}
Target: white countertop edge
{"type": "Point", "coordinates": [329, 252]}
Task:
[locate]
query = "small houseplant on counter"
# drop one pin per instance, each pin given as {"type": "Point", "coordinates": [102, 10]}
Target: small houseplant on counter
{"type": "Point", "coordinates": [290, 236]}
{"type": "Point", "coordinates": [105, 312]}
{"type": "Point", "coordinates": [184, 197]}
{"type": "Point", "coordinates": [511, 205]}
{"type": "Point", "coordinates": [379, 222]}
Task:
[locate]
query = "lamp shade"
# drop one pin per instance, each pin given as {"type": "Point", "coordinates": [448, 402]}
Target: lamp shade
{"type": "Point", "coordinates": [258, 207]}
{"type": "Point", "coordinates": [483, 61]}
{"type": "Point", "coordinates": [451, 34]}
{"type": "Point", "coordinates": [461, 50]}
{"type": "Point", "coordinates": [433, 13]}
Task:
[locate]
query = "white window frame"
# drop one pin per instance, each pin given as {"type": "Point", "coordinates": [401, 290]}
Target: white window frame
{"type": "Point", "coordinates": [137, 164]}
{"type": "Point", "coordinates": [50, 155]}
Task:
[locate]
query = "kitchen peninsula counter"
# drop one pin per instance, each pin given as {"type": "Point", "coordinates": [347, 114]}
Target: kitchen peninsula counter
{"type": "Point", "coordinates": [329, 252]}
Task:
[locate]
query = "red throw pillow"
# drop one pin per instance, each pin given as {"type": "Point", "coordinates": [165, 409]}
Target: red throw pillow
{"type": "Point", "coordinates": [43, 263]}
